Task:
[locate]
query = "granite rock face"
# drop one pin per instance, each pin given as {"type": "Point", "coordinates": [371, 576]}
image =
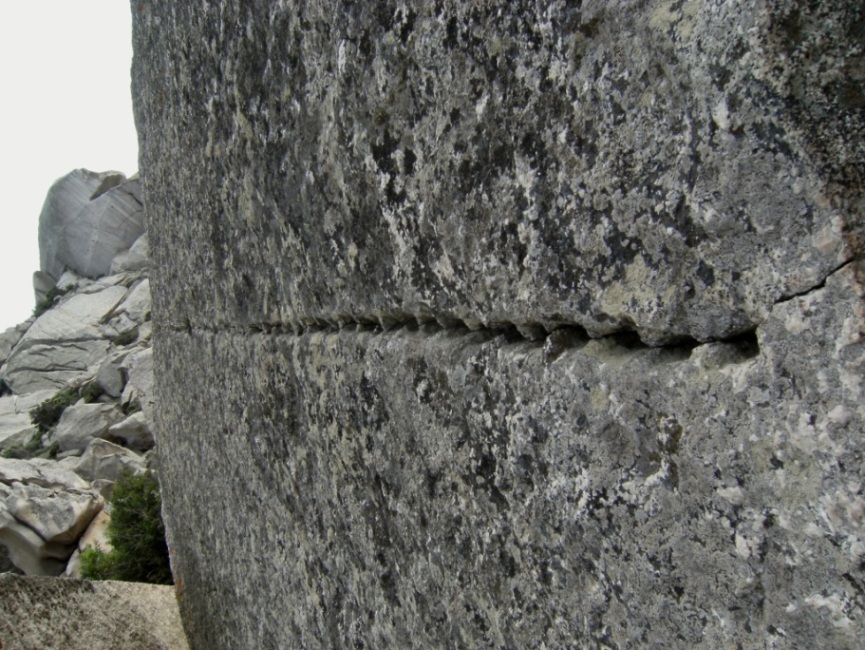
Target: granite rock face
{"type": "Point", "coordinates": [89, 219]}
{"type": "Point", "coordinates": [64, 342]}
{"type": "Point", "coordinates": [70, 614]}
{"type": "Point", "coordinates": [65, 201]}
{"type": "Point", "coordinates": [670, 170]}
{"type": "Point", "coordinates": [106, 227]}
{"type": "Point", "coordinates": [524, 325]}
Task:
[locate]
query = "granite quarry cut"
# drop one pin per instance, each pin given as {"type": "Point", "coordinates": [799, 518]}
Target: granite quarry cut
{"type": "Point", "coordinates": [509, 325]}
{"type": "Point", "coordinates": [673, 171]}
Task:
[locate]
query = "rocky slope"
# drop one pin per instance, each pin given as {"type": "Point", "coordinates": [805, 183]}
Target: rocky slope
{"type": "Point", "coordinates": [509, 324]}
{"type": "Point", "coordinates": [77, 379]}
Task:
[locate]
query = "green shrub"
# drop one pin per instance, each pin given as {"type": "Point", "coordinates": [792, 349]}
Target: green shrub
{"type": "Point", "coordinates": [32, 449]}
{"type": "Point", "coordinates": [91, 392]}
{"type": "Point", "coordinates": [48, 413]}
{"type": "Point", "coordinates": [50, 298]}
{"type": "Point", "coordinates": [96, 564]}
{"type": "Point", "coordinates": [139, 552]}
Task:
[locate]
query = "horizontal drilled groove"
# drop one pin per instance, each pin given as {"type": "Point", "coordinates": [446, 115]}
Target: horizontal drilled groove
{"type": "Point", "coordinates": [554, 339]}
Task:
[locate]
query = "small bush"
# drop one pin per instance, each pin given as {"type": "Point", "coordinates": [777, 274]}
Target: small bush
{"type": "Point", "coordinates": [50, 298]}
{"type": "Point", "coordinates": [30, 449]}
{"type": "Point", "coordinates": [48, 413]}
{"type": "Point", "coordinates": [139, 552]}
{"type": "Point", "coordinates": [91, 392]}
{"type": "Point", "coordinates": [96, 564]}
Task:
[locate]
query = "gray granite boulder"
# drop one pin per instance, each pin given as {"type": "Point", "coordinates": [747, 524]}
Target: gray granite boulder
{"type": "Point", "coordinates": [140, 382]}
{"type": "Point", "coordinates": [509, 325]}
{"type": "Point", "coordinates": [65, 201]}
{"type": "Point", "coordinates": [122, 326]}
{"type": "Point", "coordinates": [110, 376]}
{"type": "Point", "coordinates": [81, 423]}
{"type": "Point", "coordinates": [96, 536]}
{"type": "Point", "coordinates": [10, 337]}
{"type": "Point", "coordinates": [105, 227]}
{"type": "Point", "coordinates": [16, 426]}
{"type": "Point", "coordinates": [134, 432]}
{"type": "Point", "coordinates": [44, 508]}
{"type": "Point", "coordinates": [137, 258]}
{"type": "Point", "coordinates": [42, 284]}
{"type": "Point", "coordinates": [88, 219]}
{"type": "Point", "coordinates": [104, 460]}
{"type": "Point", "coordinates": [64, 342]}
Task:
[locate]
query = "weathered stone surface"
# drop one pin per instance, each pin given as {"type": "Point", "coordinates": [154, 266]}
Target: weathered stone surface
{"type": "Point", "coordinates": [64, 342]}
{"type": "Point", "coordinates": [69, 614]}
{"type": "Point", "coordinates": [42, 284]}
{"type": "Point", "coordinates": [137, 258]}
{"type": "Point", "coordinates": [123, 324]}
{"type": "Point", "coordinates": [95, 536]}
{"type": "Point", "coordinates": [44, 508]}
{"type": "Point", "coordinates": [28, 552]}
{"type": "Point", "coordinates": [65, 200]}
{"type": "Point", "coordinates": [139, 384]}
{"type": "Point", "coordinates": [339, 192]}
{"type": "Point", "coordinates": [136, 305]}
{"type": "Point", "coordinates": [105, 227]}
{"type": "Point", "coordinates": [442, 488]}
{"type": "Point", "coordinates": [81, 423]}
{"type": "Point", "coordinates": [110, 375]}
{"type": "Point", "coordinates": [10, 337]}
{"type": "Point", "coordinates": [134, 432]}
{"type": "Point", "coordinates": [104, 460]}
{"type": "Point", "coordinates": [671, 170]}
{"type": "Point", "coordinates": [15, 424]}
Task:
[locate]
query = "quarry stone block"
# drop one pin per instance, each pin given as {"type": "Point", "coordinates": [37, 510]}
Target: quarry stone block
{"type": "Point", "coordinates": [508, 325]}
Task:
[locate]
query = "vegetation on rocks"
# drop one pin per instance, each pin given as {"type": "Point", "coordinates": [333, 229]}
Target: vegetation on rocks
{"type": "Point", "coordinates": [139, 552]}
{"type": "Point", "coordinates": [91, 392]}
{"type": "Point", "coordinates": [33, 448]}
{"type": "Point", "coordinates": [48, 413]}
{"type": "Point", "coordinates": [50, 298]}
{"type": "Point", "coordinates": [45, 417]}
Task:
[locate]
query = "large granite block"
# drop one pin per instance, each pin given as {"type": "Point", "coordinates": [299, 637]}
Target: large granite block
{"type": "Point", "coordinates": [429, 487]}
{"type": "Point", "coordinates": [673, 168]}
{"type": "Point", "coordinates": [508, 324]}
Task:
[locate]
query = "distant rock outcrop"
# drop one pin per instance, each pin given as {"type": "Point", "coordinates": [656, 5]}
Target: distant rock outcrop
{"type": "Point", "coordinates": [86, 354]}
{"type": "Point", "coordinates": [87, 220]}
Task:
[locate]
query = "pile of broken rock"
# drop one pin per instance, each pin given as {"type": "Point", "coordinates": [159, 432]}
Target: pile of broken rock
{"type": "Point", "coordinates": [89, 340]}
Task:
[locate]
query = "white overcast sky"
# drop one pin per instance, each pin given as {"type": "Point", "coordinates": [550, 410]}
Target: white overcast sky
{"type": "Point", "coordinates": [66, 103]}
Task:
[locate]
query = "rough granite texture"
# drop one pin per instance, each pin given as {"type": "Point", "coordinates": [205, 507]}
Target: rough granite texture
{"type": "Point", "coordinates": [409, 261]}
{"type": "Point", "coordinates": [70, 614]}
